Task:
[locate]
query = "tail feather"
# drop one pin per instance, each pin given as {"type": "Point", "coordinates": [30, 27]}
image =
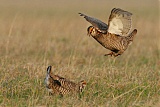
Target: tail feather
{"type": "Point", "coordinates": [131, 35]}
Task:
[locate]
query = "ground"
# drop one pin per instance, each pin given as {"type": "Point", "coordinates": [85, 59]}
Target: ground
{"type": "Point", "coordinates": [38, 33]}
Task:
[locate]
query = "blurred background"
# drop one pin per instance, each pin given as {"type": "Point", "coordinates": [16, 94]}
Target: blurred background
{"type": "Point", "coordinates": [29, 25]}
{"type": "Point", "coordinates": [38, 33]}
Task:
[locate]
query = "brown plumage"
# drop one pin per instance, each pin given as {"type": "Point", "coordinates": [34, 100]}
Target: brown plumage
{"type": "Point", "coordinates": [115, 36]}
{"type": "Point", "coordinates": [59, 85]}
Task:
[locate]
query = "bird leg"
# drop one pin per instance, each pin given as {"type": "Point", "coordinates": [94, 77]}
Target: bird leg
{"type": "Point", "coordinates": [111, 53]}
{"type": "Point", "coordinates": [118, 53]}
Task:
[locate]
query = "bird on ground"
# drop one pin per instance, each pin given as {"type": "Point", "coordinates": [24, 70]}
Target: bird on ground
{"type": "Point", "coordinates": [62, 86]}
{"type": "Point", "coordinates": [115, 36]}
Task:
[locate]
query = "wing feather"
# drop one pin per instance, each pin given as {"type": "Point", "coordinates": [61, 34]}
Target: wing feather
{"type": "Point", "coordinates": [119, 22]}
{"type": "Point", "coordinates": [101, 26]}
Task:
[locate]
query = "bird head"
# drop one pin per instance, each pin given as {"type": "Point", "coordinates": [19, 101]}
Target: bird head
{"type": "Point", "coordinates": [91, 31]}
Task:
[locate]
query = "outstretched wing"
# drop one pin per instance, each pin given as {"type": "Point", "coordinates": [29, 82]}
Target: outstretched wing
{"type": "Point", "coordinates": [119, 22]}
{"type": "Point", "coordinates": [99, 25]}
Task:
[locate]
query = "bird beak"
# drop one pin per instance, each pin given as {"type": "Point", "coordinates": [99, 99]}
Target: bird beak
{"type": "Point", "coordinates": [89, 30]}
{"type": "Point", "coordinates": [88, 34]}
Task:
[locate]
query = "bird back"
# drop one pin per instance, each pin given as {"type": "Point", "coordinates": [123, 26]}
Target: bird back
{"type": "Point", "coordinates": [59, 85]}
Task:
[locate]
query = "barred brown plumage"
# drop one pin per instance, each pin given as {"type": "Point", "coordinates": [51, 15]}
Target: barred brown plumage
{"type": "Point", "coordinates": [59, 85]}
{"type": "Point", "coordinates": [115, 36]}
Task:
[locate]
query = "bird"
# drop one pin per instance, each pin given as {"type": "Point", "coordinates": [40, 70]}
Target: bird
{"type": "Point", "coordinates": [62, 86]}
{"type": "Point", "coordinates": [115, 35]}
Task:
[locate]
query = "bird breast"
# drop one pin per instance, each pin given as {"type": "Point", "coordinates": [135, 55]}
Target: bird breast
{"type": "Point", "coordinates": [109, 41]}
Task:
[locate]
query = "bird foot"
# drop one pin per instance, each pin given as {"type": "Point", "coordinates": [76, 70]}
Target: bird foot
{"type": "Point", "coordinates": [111, 54]}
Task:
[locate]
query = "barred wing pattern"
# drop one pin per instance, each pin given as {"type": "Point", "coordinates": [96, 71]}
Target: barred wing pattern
{"type": "Point", "coordinates": [69, 85]}
{"type": "Point", "coordinates": [54, 87]}
{"type": "Point", "coordinates": [98, 24]}
{"type": "Point", "coordinates": [119, 22]}
{"type": "Point", "coordinates": [116, 36]}
{"type": "Point", "coordinates": [59, 85]}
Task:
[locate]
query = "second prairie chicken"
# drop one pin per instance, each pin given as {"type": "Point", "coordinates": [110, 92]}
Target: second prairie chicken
{"type": "Point", "coordinates": [59, 85]}
{"type": "Point", "coordinates": [116, 35]}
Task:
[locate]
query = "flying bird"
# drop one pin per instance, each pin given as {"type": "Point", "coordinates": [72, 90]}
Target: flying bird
{"type": "Point", "coordinates": [115, 36]}
{"type": "Point", "coordinates": [62, 86]}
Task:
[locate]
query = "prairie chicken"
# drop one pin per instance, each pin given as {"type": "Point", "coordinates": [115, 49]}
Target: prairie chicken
{"type": "Point", "coordinates": [59, 85]}
{"type": "Point", "coordinates": [115, 36]}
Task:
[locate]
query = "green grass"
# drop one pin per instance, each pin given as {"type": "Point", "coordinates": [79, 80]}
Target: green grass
{"type": "Point", "coordinates": [35, 35]}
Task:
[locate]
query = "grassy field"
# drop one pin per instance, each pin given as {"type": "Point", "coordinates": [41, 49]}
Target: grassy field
{"type": "Point", "coordinates": [38, 33]}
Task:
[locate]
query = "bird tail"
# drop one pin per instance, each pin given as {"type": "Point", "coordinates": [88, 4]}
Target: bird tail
{"type": "Point", "coordinates": [131, 35]}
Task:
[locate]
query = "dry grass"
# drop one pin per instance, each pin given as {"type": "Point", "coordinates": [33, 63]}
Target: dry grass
{"type": "Point", "coordinates": [35, 34]}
